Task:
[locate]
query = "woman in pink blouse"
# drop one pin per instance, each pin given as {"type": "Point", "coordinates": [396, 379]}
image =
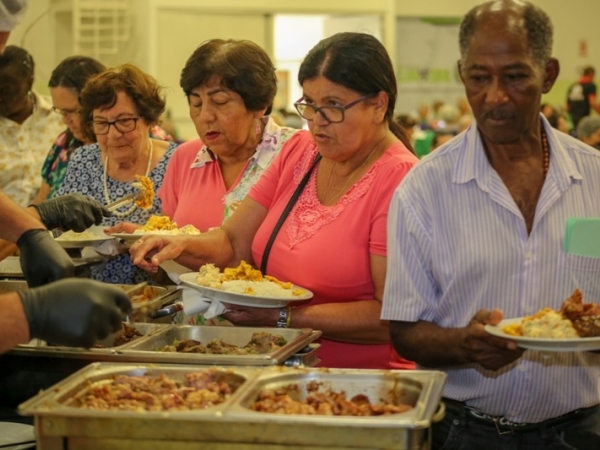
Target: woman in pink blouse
{"type": "Point", "coordinates": [333, 242]}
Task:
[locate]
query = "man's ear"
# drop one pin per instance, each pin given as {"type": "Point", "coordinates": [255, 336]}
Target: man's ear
{"type": "Point", "coordinates": [551, 71]}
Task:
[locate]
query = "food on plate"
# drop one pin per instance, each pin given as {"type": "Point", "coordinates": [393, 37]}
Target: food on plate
{"type": "Point", "coordinates": [574, 319]}
{"type": "Point", "coordinates": [145, 197]}
{"type": "Point", "coordinates": [321, 401]}
{"type": "Point", "coordinates": [164, 225]}
{"type": "Point", "coordinates": [245, 279]}
{"type": "Point", "coordinates": [73, 236]}
{"type": "Point", "coordinates": [198, 390]}
{"type": "Point", "coordinates": [260, 343]}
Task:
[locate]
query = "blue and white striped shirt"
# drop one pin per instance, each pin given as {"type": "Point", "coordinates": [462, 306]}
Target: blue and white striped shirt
{"type": "Point", "coordinates": [458, 243]}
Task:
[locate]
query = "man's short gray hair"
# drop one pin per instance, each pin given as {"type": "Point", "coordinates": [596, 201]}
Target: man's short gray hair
{"type": "Point", "coordinates": [536, 22]}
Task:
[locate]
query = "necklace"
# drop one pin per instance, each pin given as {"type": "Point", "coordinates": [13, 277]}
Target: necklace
{"type": "Point", "coordinates": [107, 193]}
{"type": "Point", "coordinates": [546, 150]}
{"type": "Point", "coordinates": [350, 176]}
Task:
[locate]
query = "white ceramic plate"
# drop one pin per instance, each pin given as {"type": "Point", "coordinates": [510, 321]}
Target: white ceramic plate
{"type": "Point", "coordinates": [132, 237]}
{"type": "Point", "coordinates": [128, 237]}
{"type": "Point", "coordinates": [189, 279]}
{"type": "Point", "coordinates": [99, 238]}
{"type": "Point", "coordinates": [11, 433]}
{"type": "Point", "coordinates": [545, 344]}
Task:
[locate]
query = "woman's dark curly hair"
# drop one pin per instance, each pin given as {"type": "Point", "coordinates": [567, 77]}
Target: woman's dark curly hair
{"type": "Point", "coordinates": [240, 65]}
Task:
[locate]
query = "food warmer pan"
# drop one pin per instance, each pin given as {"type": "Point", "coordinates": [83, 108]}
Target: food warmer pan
{"type": "Point", "coordinates": [60, 424]}
{"type": "Point", "coordinates": [297, 341]}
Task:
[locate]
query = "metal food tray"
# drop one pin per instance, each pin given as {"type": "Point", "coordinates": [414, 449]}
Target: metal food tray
{"type": "Point", "coordinates": [56, 400]}
{"type": "Point", "coordinates": [419, 389]}
{"type": "Point", "coordinates": [59, 425]}
{"type": "Point", "coordinates": [144, 349]}
{"type": "Point", "coordinates": [40, 348]}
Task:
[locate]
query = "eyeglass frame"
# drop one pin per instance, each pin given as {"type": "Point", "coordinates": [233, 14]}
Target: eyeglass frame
{"type": "Point", "coordinates": [342, 109]}
{"type": "Point", "coordinates": [114, 123]}
{"type": "Point", "coordinates": [65, 112]}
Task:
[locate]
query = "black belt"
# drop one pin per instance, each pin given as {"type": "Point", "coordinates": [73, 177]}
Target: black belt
{"type": "Point", "coordinates": [505, 426]}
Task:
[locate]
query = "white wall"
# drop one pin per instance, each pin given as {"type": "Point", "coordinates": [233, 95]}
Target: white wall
{"type": "Point", "coordinates": [45, 31]}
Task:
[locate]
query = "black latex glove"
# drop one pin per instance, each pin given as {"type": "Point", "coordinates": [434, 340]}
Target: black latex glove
{"type": "Point", "coordinates": [75, 212]}
{"type": "Point", "coordinates": [74, 312]}
{"type": "Point", "coordinates": [43, 260]}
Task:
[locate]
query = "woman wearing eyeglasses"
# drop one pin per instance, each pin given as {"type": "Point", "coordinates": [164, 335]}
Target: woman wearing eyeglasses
{"type": "Point", "coordinates": [333, 242]}
{"type": "Point", "coordinates": [66, 82]}
{"type": "Point", "coordinates": [121, 106]}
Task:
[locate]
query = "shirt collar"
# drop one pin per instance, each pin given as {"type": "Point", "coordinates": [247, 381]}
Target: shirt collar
{"type": "Point", "coordinates": [472, 163]}
{"type": "Point", "coordinates": [264, 151]}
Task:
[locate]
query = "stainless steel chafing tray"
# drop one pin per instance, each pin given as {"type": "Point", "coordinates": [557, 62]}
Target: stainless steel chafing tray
{"type": "Point", "coordinates": [232, 423]}
{"type": "Point", "coordinates": [144, 350]}
{"type": "Point", "coordinates": [41, 348]}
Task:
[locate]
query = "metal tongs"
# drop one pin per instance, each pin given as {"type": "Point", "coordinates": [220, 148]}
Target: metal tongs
{"type": "Point", "coordinates": [130, 198]}
{"type": "Point", "coordinates": [136, 308]}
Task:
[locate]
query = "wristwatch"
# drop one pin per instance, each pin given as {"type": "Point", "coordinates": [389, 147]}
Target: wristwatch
{"type": "Point", "coordinates": [282, 321]}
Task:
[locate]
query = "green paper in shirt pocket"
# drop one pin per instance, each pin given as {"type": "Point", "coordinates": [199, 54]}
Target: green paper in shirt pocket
{"type": "Point", "coordinates": [582, 236]}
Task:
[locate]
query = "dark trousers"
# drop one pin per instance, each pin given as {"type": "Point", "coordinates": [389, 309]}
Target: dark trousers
{"type": "Point", "coordinates": [459, 430]}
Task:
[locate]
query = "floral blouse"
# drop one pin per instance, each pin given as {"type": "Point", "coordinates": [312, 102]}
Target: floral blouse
{"type": "Point", "coordinates": [85, 174]}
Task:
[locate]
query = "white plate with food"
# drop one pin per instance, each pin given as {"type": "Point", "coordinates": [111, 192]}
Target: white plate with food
{"type": "Point", "coordinates": [258, 300]}
{"type": "Point", "coordinates": [91, 237]}
{"type": "Point", "coordinates": [577, 344]}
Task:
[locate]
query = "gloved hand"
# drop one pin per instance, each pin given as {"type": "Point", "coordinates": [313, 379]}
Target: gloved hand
{"type": "Point", "coordinates": [74, 312]}
{"type": "Point", "coordinates": [43, 260]}
{"type": "Point", "coordinates": [75, 212]}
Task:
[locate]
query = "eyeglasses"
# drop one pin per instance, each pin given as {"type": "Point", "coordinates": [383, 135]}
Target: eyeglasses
{"type": "Point", "coordinates": [332, 114]}
{"type": "Point", "coordinates": [65, 112]}
{"type": "Point", "coordinates": [122, 125]}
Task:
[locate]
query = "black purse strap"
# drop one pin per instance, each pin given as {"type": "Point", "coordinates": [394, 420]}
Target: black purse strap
{"type": "Point", "coordinates": [285, 213]}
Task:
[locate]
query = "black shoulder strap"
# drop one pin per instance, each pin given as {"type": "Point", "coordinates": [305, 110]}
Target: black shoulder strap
{"type": "Point", "coordinates": [285, 213]}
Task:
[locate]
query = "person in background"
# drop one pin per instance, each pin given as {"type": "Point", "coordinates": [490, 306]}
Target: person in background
{"type": "Point", "coordinates": [11, 14]}
{"type": "Point", "coordinates": [581, 97]}
{"type": "Point", "coordinates": [410, 126]}
{"type": "Point", "coordinates": [441, 137]}
{"type": "Point", "coordinates": [66, 82]}
{"type": "Point", "coordinates": [588, 131]}
{"type": "Point", "coordinates": [333, 242]}
{"type": "Point", "coordinates": [119, 107]}
{"type": "Point", "coordinates": [559, 120]}
{"type": "Point", "coordinates": [476, 234]}
{"type": "Point", "coordinates": [28, 126]}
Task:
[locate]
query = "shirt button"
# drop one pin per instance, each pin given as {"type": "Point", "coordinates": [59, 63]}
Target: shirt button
{"type": "Point", "coordinates": [529, 255]}
{"type": "Point", "coordinates": [522, 368]}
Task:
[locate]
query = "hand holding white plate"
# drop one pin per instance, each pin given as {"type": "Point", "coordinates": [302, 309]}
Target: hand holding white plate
{"type": "Point", "coordinates": [189, 279]}
{"type": "Point", "coordinates": [91, 237]}
{"type": "Point", "coordinates": [544, 344]}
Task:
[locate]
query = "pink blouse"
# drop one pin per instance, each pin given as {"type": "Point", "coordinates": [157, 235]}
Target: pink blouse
{"type": "Point", "coordinates": [327, 248]}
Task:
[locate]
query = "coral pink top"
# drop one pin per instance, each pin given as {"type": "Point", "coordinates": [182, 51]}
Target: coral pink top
{"type": "Point", "coordinates": [327, 248]}
{"type": "Point", "coordinates": [193, 190]}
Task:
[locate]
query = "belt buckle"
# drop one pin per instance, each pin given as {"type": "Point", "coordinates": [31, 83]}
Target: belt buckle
{"type": "Point", "coordinates": [501, 432]}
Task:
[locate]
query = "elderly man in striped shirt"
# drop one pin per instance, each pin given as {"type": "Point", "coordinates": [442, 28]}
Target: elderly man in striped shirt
{"type": "Point", "coordinates": [476, 234]}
